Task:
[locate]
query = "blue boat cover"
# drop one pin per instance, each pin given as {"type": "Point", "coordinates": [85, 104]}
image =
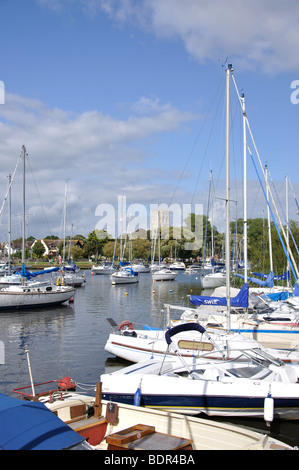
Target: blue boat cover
{"type": "Point", "coordinates": [296, 289]}
{"type": "Point", "coordinates": [70, 267]}
{"type": "Point", "coordinates": [27, 425]}
{"type": "Point", "coordinates": [129, 270]}
{"type": "Point", "coordinates": [28, 274]}
{"type": "Point", "coordinates": [182, 327]}
{"type": "Point", "coordinates": [281, 277]}
{"type": "Point", "coordinates": [241, 300]}
{"type": "Point", "coordinates": [277, 296]}
{"type": "Point", "coordinates": [269, 282]}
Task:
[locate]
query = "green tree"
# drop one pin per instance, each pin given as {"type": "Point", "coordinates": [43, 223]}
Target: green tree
{"type": "Point", "coordinates": [38, 249]}
{"type": "Point", "coordinates": [94, 245]}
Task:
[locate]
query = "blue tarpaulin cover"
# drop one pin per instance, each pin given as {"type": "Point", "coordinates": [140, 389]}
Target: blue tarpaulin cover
{"type": "Point", "coordinates": [25, 273]}
{"type": "Point", "coordinates": [241, 300]}
{"type": "Point", "coordinates": [269, 282]}
{"type": "Point", "coordinates": [27, 425]}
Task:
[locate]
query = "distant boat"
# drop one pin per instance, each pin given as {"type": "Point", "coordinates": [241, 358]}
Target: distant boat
{"type": "Point", "coordinates": [164, 274]}
{"type": "Point", "coordinates": [212, 280]}
{"type": "Point", "coordinates": [104, 268]}
{"type": "Point", "coordinates": [177, 266]}
{"type": "Point", "coordinates": [74, 279]}
{"type": "Point", "coordinates": [140, 267]}
{"type": "Point", "coordinates": [125, 276]}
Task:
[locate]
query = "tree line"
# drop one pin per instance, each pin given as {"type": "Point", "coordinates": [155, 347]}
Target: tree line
{"type": "Point", "coordinates": [99, 245]}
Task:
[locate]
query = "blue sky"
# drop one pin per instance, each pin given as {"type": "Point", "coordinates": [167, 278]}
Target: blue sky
{"type": "Point", "coordinates": [125, 97]}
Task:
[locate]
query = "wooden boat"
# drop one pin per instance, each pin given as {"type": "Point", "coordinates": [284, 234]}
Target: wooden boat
{"type": "Point", "coordinates": [105, 424]}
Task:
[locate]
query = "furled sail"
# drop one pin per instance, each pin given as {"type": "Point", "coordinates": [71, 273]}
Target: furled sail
{"type": "Point", "coordinates": [241, 300]}
{"type": "Point", "coordinates": [269, 282]}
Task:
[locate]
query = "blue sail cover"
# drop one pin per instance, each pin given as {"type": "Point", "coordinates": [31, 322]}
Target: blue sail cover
{"type": "Point", "coordinates": [28, 274]}
{"type": "Point", "coordinates": [70, 267]}
{"type": "Point", "coordinates": [27, 425]}
{"type": "Point", "coordinates": [241, 300]}
{"type": "Point", "coordinates": [129, 270]}
{"type": "Point", "coordinates": [269, 282]}
{"type": "Point", "coordinates": [282, 277]}
{"type": "Point", "coordinates": [296, 290]}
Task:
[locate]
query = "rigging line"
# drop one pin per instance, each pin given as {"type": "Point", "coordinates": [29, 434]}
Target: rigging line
{"type": "Point", "coordinates": [207, 145]}
{"type": "Point", "coordinates": [39, 197]}
{"type": "Point", "coordinates": [267, 184]}
{"type": "Point", "coordinates": [233, 117]}
{"type": "Point", "coordinates": [294, 194]}
{"type": "Point", "coordinates": [278, 232]}
{"type": "Point", "coordinates": [9, 186]}
{"type": "Point", "coordinates": [273, 202]}
{"type": "Point", "coordinates": [196, 140]}
{"type": "Point", "coordinates": [287, 222]}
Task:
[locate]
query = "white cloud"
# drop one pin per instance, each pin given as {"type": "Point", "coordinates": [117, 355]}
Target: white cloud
{"type": "Point", "coordinates": [254, 33]}
{"type": "Point", "coordinates": [99, 154]}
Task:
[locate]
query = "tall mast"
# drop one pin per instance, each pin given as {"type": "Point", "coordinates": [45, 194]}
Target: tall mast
{"type": "Point", "coordinates": [287, 231]}
{"type": "Point", "coordinates": [269, 222]}
{"type": "Point", "coordinates": [23, 231]}
{"type": "Point", "coordinates": [9, 225]}
{"type": "Point", "coordinates": [227, 198]}
{"type": "Point", "coordinates": [245, 189]}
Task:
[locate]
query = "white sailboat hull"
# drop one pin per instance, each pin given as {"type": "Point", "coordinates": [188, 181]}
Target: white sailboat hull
{"type": "Point", "coordinates": [18, 297]}
{"type": "Point", "coordinates": [140, 345]}
{"type": "Point", "coordinates": [212, 280]}
{"type": "Point", "coordinates": [118, 278]}
{"type": "Point", "coordinates": [164, 275]}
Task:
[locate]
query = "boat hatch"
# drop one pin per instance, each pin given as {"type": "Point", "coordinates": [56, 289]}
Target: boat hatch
{"type": "Point", "coordinates": [195, 345]}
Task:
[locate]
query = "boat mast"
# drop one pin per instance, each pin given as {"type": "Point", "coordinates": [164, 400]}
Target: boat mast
{"type": "Point", "coordinates": [245, 190]}
{"type": "Point", "coordinates": [23, 228]}
{"type": "Point", "coordinates": [227, 198]}
{"type": "Point", "coordinates": [287, 227]}
{"type": "Point", "coordinates": [269, 222]}
{"type": "Point", "coordinates": [9, 225]}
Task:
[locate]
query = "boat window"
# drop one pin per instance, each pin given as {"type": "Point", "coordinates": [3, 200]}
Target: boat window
{"type": "Point", "coordinates": [247, 372]}
{"type": "Point", "coordinates": [195, 345]}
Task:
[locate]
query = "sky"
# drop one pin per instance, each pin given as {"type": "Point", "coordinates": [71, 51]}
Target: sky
{"type": "Point", "coordinates": [125, 100]}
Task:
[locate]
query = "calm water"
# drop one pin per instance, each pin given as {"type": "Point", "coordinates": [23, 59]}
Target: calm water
{"type": "Point", "coordinates": [69, 340]}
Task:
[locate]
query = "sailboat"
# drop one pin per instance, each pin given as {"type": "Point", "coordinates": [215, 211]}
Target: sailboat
{"type": "Point", "coordinates": [270, 332]}
{"type": "Point", "coordinates": [162, 272]}
{"type": "Point", "coordinates": [135, 345]}
{"type": "Point", "coordinates": [210, 277]}
{"type": "Point", "coordinates": [31, 293]}
{"type": "Point", "coordinates": [70, 272]}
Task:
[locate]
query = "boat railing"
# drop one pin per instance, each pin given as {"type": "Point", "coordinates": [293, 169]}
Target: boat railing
{"type": "Point", "coordinates": [59, 391]}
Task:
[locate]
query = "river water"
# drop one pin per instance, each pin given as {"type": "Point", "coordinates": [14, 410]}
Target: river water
{"type": "Point", "coordinates": [69, 340]}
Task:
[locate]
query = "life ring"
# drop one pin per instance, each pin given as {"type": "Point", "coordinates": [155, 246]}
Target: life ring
{"type": "Point", "coordinates": [59, 282]}
{"type": "Point", "coordinates": [126, 323]}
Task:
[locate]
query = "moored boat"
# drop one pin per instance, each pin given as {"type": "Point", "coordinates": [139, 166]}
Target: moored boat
{"type": "Point", "coordinates": [238, 387]}
{"type": "Point", "coordinates": [103, 423]}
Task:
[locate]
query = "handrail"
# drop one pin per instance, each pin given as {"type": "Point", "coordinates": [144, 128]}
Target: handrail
{"type": "Point", "coordinates": [41, 394]}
